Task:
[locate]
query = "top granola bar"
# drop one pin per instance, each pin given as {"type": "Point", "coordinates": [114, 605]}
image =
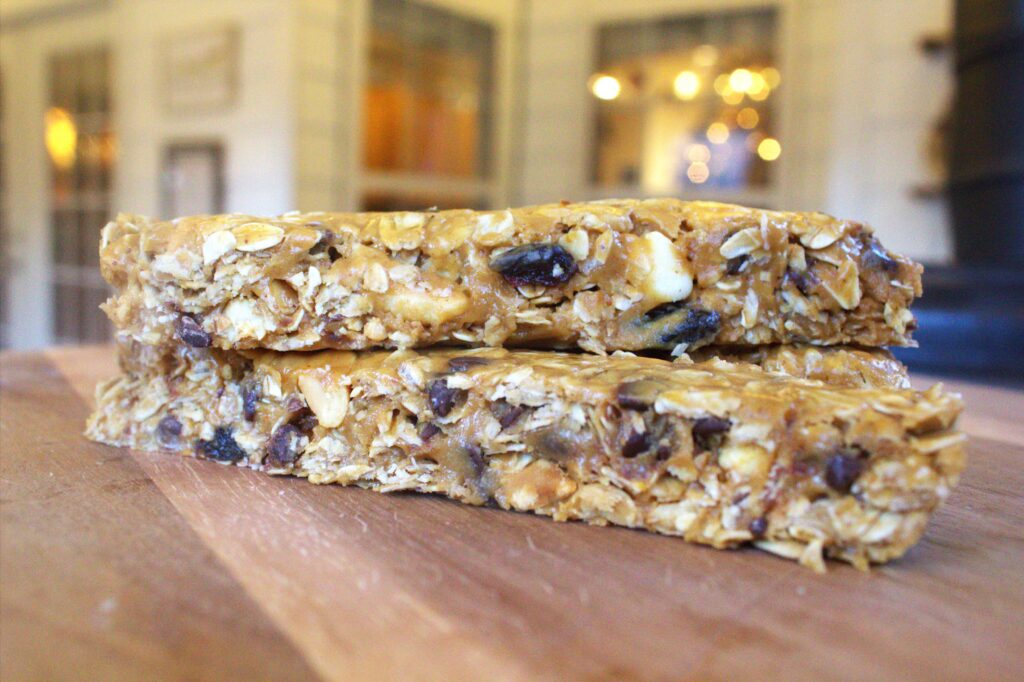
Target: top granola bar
{"type": "Point", "coordinates": [626, 274]}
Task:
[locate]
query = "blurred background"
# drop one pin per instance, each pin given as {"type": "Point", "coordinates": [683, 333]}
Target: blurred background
{"type": "Point", "coordinates": [905, 114]}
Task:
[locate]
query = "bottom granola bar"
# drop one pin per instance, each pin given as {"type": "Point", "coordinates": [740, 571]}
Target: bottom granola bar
{"type": "Point", "coordinates": [719, 453]}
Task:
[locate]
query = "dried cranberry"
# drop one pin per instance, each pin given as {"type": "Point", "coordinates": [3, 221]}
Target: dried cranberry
{"type": "Point", "coordinates": [283, 445]}
{"type": "Point", "coordinates": [222, 447]}
{"type": "Point", "coordinates": [189, 331]}
{"type": "Point", "coordinates": [442, 398]}
{"type": "Point", "coordinates": [539, 263]}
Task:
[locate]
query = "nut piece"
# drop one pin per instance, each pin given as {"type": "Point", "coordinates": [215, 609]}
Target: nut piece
{"type": "Point", "coordinates": [667, 278]}
{"type": "Point", "coordinates": [742, 243]}
{"type": "Point", "coordinates": [493, 229]}
{"type": "Point", "coordinates": [216, 245]}
{"type": "Point", "coordinates": [577, 242]}
{"type": "Point", "coordinates": [257, 236]}
{"type": "Point", "coordinates": [403, 231]}
{"type": "Point", "coordinates": [329, 403]}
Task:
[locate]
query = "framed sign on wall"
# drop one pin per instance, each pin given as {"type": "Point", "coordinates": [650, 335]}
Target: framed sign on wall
{"type": "Point", "coordinates": [200, 70]}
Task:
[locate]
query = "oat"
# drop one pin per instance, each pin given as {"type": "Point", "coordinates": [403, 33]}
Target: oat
{"type": "Point", "coordinates": [257, 236]}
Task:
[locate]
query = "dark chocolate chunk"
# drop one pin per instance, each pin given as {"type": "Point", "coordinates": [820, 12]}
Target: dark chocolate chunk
{"type": "Point", "coordinates": [428, 431]}
{"type": "Point", "coordinates": [442, 398]}
{"type": "Point", "coordinates": [538, 263]}
{"type": "Point", "coordinates": [189, 331]}
{"type": "Point", "coordinates": [506, 413]}
{"type": "Point", "coordinates": [734, 265]}
{"type": "Point", "coordinates": [222, 447]}
{"type": "Point", "coordinates": [464, 362]}
{"type": "Point", "coordinates": [168, 430]}
{"type": "Point", "coordinates": [758, 526]}
{"type": "Point", "coordinates": [283, 445]}
{"type": "Point", "coordinates": [637, 395]}
{"type": "Point", "coordinates": [673, 323]}
{"type": "Point", "coordinates": [842, 470]}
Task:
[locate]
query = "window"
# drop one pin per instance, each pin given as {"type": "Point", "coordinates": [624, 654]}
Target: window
{"type": "Point", "coordinates": [82, 149]}
{"type": "Point", "coordinates": [687, 102]}
{"type": "Point", "coordinates": [428, 107]}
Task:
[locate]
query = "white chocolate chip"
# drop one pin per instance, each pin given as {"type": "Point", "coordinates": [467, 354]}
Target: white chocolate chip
{"type": "Point", "coordinates": [668, 278]}
{"type": "Point", "coordinates": [329, 403]}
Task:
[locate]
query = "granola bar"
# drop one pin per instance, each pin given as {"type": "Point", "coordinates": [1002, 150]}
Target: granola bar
{"type": "Point", "coordinates": [719, 453]}
{"type": "Point", "coordinates": [835, 365]}
{"type": "Point", "coordinates": [659, 274]}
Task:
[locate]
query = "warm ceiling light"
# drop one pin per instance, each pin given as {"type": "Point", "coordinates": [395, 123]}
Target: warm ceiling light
{"type": "Point", "coordinates": [769, 149]}
{"type": "Point", "coordinates": [718, 133]}
{"type": "Point", "coordinates": [606, 87]}
{"type": "Point", "coordinates": [771, 76]}
{"type": "Point", "coordinates": [61, 137]}
{"type": "Point", "coordinates": [698, 172]}
{"type": "Point", "coordinates": [698, 153]}
{"type": "Point", "coordinates": [686, 85]}
{"type": "Point", "coordinates": [747, 118]}
{"type": "Point", "coordinates": [740, 80]}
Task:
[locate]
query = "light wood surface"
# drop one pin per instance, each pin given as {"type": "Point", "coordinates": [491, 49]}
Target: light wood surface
{"type": "Point", "coordinates": [126, 565]}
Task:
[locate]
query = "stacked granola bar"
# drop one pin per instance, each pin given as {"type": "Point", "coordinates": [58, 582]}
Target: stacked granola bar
{"type": "Point", "coordinates": [691, 368]}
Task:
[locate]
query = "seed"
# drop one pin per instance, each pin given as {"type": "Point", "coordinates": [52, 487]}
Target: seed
{"type": "Point", "coordinates": [841, 471]}
{"type": "Point", "coordinates": [442, 398]}
{"type": "Point", "coordinates": [189, 331]}
{"type": "Point", "coordinates": [222, 447]}
{"type": "Point", "coordinates": [538, 263]}
{"type": "Point", "coordinates": [283, 445]}
{"type": "Point", "coordinates": [168, 430]}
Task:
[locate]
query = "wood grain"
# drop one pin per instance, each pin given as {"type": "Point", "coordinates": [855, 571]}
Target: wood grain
{"type": "Point", "coordinates": [291, 580]}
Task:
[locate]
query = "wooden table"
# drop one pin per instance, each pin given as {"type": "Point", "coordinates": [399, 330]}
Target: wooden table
{"type": "Point", "coordinates": [118, 564]}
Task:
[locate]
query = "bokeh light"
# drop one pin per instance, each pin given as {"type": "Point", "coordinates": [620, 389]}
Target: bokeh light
{"type": "Point", "coordinates": [686, 85]}
{"type": "Point", "coordinates": [718, 133]}
{"type": "Point", "coordinates": [769, 149]}
{"type": "Point", "coordinates": [605, 87]}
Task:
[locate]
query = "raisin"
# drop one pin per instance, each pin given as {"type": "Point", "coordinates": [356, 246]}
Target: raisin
{"type": "Point", "coordinates": [636, 442]}
{"type": "Point", "coordinates": [428, 431]}
{"type": "Point", "coordinates": [637, 395]}
{"type": "Point", "coordinates": [673, 323]}
{"type": "Point", "coordinates": [841, 471]}
{"type": "Point", "coordinates": [505, 413]}
{"type": "Point", "coordinates": [222, 447]}
{"type": "Point", "coordinates": [250, 396]}
{"type": "Point", "coordinates": [189, 331]}
{"type": "Point", "coordinates": [735, 265]}
{"type": "Point", "coordinates": [875, 257]}
{"type": "Point", "coordinates": [304, 420]}
{"type": "Point", "coordinates": [475, 455]}
{"type": "Point", "coordinates": [442, 398]}
{"type": "Point", "coordinates": [705, 429]}
{"type": "Point", "coordinates": [803, 281]}
{"type": "Point", "coordinates": [168, 430]}
{"type": "Point", "coordinates": [538, 263]}
{"type": "Point", "coordinates": [758, 526]}
{"type": "Point", "coordinates": [464, 362]}
{"type": "Point", "coordinates": [283, 445]}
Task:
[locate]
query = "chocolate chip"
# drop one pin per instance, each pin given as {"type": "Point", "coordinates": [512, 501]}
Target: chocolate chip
{"type": "Point", "coordinates": [674, 323]}
{"type": "Point", "coordinates": [841, 471]}
{"type": "Point", "coordinates": [636, 442]}
{"type": "Point", "coordinates": [464, 362]}
{"type": "Point", "coordinates": [875, 257]}
{"type": "Point", "coordinates": [222, 447]}
{"type": "Point", "coordinates": [168, 430]}
{"type": "Point", "coordinates": [759, 526]}
{"type": "Point", "coordinates": [442, 398]}
{"type": "Point", "coordinates": [735, 265]}
{"type": "Point", "coordinates": [538, 263]}
{"type": "Point", "coordinates": [506, 413]}
{"type": "Point", "coordinates": [189, 331]}
{"type": "Point", "coordinates": [250, 397]}
{"type": "Point", "coordinates": [637, 395]}
{"type": "Point", "coordinates": [283, 445]}
{"type": "Point", "coordinates": [428, 431]}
